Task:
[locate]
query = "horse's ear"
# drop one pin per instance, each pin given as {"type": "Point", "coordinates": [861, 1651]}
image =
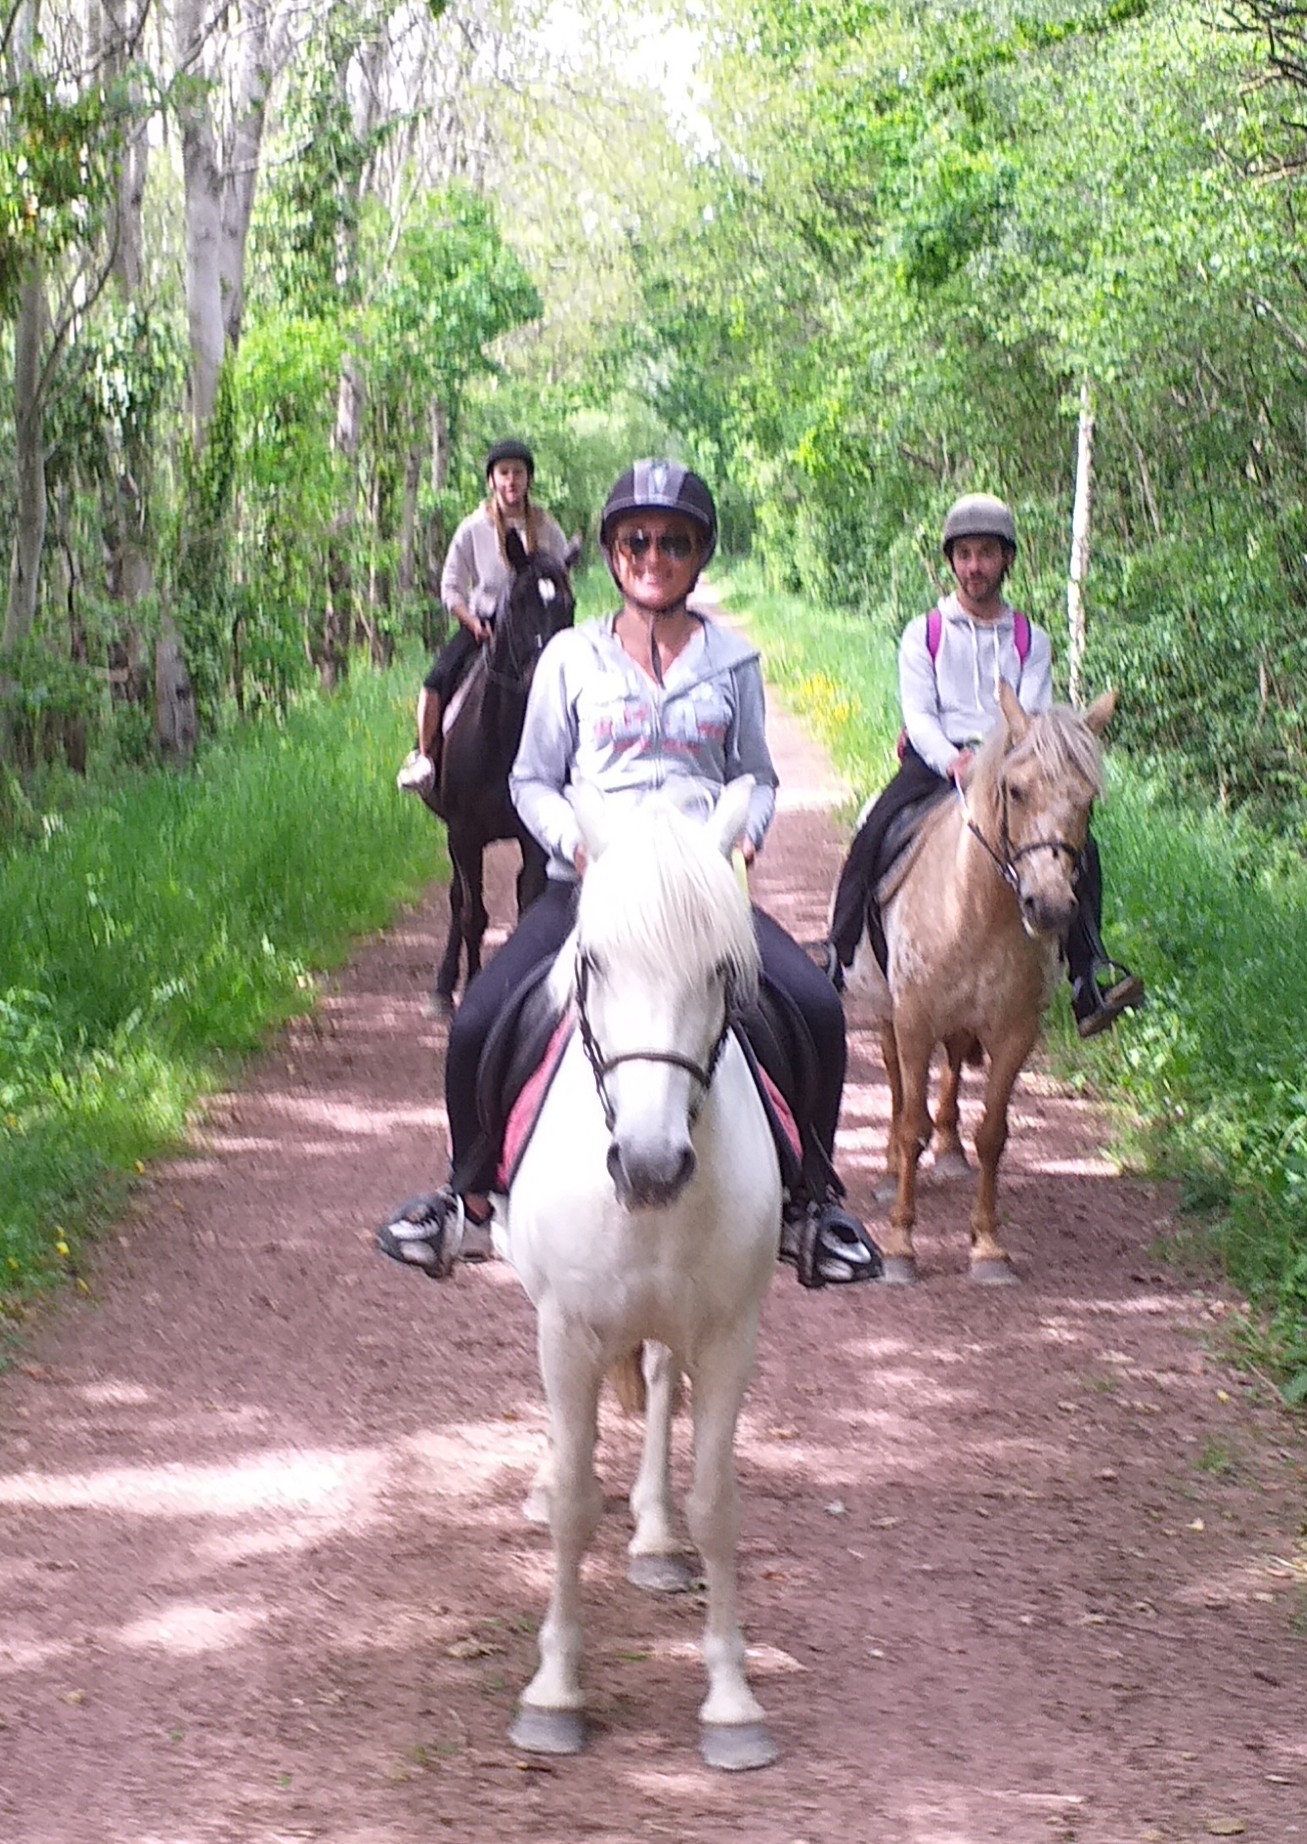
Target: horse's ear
{"type": "Point", "coordinates": [572, 555]}
{"type": "Point", "coordinates": [1099, 714]}
{"type": "Point", "coordinates": [591, 810]}
{"type": "Point", "coordinates": [514, 549]}
{"type": "Point", "coordinates": [731, 813]}
{"type": "Point", "coordinates": [1018, 721]}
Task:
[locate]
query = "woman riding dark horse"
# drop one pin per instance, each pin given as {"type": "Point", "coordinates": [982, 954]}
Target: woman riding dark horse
{"type": "Point", "coordinates": [470, 793]}
{"type": "Point", "coordinates": [477, 568]}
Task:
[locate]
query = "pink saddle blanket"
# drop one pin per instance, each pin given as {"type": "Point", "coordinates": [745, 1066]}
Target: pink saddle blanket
{"type": "Point", "coordinates": [526, 1109]}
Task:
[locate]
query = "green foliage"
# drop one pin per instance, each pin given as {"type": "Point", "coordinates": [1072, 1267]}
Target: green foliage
{"type": "Point", "coordinates": [56, 165]}
{"type": "Point", "coordinates": [201, 560]}
{"type": "Point", "coordinates": [924, 231]}
{"type": "Point", "coordinates": [166, 928]}
{"type": "Point", "coordinates": [453, 288]}
{"type": "Point", "coordinates": [307, 209]}
{"type": "Point", "coordinates": [292, 481]}
{"type": "Point", "coordinates": [42, 693]}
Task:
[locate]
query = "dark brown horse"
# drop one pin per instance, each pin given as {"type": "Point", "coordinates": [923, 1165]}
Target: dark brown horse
{"type": "Point", "coordinates": [481, 738]}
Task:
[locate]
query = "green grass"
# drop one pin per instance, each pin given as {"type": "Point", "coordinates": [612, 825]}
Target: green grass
{"type": "Point", "coordinates": [161, 929]}
{"type": "Point", "coordinates": [1212, 913]}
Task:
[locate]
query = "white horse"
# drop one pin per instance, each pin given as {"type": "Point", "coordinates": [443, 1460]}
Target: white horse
{"type": "Point", "coordinates": [645, 1213]}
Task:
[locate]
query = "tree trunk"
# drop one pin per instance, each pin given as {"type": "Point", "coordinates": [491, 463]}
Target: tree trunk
{"type": "Point", "coordinates": [30, 509]}
{"type": "Point", "coordinates": [1080, 533]}
{"type": "Point", "coordinates": [408, 520]}
{"type": "Point", "coordinates": [242, 162]}
{"type": "Point", "coordinates": [433, 615]}
{"type": "Point", "coordinates": [175, 723]}
{"type": "Point", "coordinates": [203, 188]}
{"type": "Point", "coordinates": [130, 552]}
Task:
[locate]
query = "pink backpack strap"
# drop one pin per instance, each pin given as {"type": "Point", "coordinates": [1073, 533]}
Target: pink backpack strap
{"type": "Point", "coordinates": [1020, 635]}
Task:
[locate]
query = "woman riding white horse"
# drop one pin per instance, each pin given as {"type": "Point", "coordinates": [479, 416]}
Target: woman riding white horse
{"type": "Point", "coordinates": [652, 695]}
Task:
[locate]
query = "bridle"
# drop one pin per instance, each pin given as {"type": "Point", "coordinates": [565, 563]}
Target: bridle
{"type": "Point", "coordinates": [603, 1066]}
{"type": "Point", "coordinates": [1004, 858]}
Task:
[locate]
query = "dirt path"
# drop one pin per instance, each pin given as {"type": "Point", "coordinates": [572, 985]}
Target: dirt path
{"type": "Point", "coordinates": [1018, 1566]}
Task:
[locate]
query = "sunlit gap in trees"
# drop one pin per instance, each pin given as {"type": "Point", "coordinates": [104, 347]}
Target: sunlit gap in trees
{"type": "Point", "coordinates": [664, 53]}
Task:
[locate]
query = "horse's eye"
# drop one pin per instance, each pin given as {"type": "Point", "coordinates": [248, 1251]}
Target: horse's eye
{"type": "Point", "coordinates": [1016, 794]}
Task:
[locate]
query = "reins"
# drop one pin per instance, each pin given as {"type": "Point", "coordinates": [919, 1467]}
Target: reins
{"type": "Point", "coordinates": [603, 1066]}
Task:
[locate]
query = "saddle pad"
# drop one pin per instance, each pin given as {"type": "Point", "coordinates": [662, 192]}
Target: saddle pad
{"type": "Point", "coordinates": [459, 699]}
{"type": "Point", "coordinates": [781, 1118]}
{"type": "Point", "coordinates": [526, 1109]}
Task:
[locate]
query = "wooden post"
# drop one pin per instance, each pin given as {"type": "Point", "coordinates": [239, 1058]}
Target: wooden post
{"type": "Point", "coordinates": [1080, 529]}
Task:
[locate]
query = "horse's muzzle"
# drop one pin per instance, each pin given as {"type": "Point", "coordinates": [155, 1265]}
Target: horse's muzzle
{"type": "Point", "coordinates": [648, 1180]}
{"type": "Point", "coordinates": [1044, 916]}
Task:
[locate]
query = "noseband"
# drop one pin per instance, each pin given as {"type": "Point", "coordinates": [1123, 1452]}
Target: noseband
{"type": "Point", "coordinates": [1004, 858]}
{"type": "Point", "coordinates": [603, 1066]}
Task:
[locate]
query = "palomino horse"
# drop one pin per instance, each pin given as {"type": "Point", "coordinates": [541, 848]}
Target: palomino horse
{"type": "Point", "coordinates": [647, 1207]}
{"type": "Point", "coordinates": [481, 739]}
{"type": "Point", "coordinates": [974, 926]}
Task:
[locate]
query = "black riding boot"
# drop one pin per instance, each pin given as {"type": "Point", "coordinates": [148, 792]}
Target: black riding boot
{"type": "Point", "coordinates": [1096, 1001]}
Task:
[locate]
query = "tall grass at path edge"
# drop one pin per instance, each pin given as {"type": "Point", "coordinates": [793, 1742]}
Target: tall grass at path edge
{"type": "Point", "coordinates": [158, 933]}
{"type": "Point", "coordinates": [1207, 1081]}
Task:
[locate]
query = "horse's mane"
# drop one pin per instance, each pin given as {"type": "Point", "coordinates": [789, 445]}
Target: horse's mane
{"type": "Point", "coordinates": [662, 894]}
{"type": "Point", "coordinates": [1058, 740]}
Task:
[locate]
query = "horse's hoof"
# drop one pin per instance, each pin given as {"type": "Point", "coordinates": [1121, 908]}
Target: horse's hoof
{"type": "Point", "coordinates": [995, 1271]}
{"type": "Point", "coordinates": [660, 1574]}
{"type": "Point", "coordinates": [887, 1190]}
{"type": "Point", "coordinates": [734, 1747]}
{"type": "Point", "coordinates": [950, 1165]}
{"type": "Point", "coordinates": [548, 1731]}
{"type": "Point", "coordinates": [440, 1005]}
{"type": "Point", "coordinates": [899, 1271]}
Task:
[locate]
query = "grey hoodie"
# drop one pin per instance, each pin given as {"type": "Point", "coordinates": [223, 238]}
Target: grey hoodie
{"type": "Point", "coordinates": [594, 716]}
{"type": "Point", "coordinates": [952, 700]}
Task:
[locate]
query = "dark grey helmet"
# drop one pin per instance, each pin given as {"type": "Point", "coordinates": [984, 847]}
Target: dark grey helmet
{"type": "Point", "coordinates": [511, 451]}
{"type": "Point", "coordinates": [661, 486]}
{"type": "Point", "coordinates": [979, 515]}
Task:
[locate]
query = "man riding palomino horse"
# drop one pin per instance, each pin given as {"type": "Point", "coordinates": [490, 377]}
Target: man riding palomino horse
{"type": "Point", "coordinates": [477, 566]}
{"type": "Point", "coordinates": [654, 696]}
{"type": "Point", "coordinates": [951, 665]}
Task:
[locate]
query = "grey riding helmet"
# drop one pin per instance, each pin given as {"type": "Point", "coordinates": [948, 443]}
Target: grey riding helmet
{"type": "Point", "coordinates": [511, 451]}
{"type": "Point", "coordinates": [978, 515]}
{"type": "Point", "coordinates": [660, 486]}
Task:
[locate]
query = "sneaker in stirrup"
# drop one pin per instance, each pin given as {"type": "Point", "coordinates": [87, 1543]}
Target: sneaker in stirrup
{"type": "Point", "coordinates": [427, 1233]}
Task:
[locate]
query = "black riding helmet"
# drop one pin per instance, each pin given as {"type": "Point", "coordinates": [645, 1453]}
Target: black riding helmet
{"type": "Point", "coordinates": [660, 486]}
{"type": "Point", "coordinates": [511, 451]}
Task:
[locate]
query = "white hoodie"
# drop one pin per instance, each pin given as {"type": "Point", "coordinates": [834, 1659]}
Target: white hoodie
{"type": "Point", "coordinates": [952, 701]}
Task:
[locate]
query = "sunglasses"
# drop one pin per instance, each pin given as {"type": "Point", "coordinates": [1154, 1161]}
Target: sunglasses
{"type": "Point", "coordinates": [677, 546]}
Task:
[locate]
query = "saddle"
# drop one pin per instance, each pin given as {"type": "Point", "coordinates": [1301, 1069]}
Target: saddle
{"type": "Point", "coordinates": [458, 698]}
{"type": "Point", "coordinates": [903, 840]}
{"type": "Point", "coordinates": [899, 850]}
{"type": "Point", "coordinates": [526, 1042]}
